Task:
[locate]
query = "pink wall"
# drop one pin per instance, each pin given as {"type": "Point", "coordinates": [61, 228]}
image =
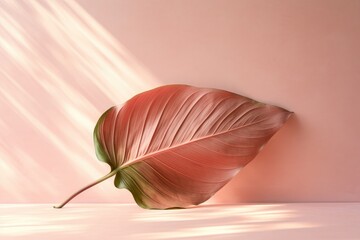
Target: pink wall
{"type": "Point", "coordinates": [64, 63]}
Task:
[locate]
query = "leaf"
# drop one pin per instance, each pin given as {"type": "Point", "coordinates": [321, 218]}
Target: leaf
{"type": "Point", "coordinates": [177, 145]}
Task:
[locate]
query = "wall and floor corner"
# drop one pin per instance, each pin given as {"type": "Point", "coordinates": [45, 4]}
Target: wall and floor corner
{"type": "Point", "coordinates": [64, 63]}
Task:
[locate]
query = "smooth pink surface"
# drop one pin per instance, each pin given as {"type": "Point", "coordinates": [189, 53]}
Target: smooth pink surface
{"type": "Point", "coordinates": [320, 221]}
{"type": "Point", "coordinates": [63, 64]}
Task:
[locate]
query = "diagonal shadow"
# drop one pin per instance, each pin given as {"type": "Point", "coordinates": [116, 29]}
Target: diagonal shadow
{"type": "Point", "coordinates": [60, 70]}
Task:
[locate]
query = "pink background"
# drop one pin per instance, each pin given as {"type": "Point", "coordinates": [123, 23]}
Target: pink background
{"type": "Point", "coordinates": [63, 63]}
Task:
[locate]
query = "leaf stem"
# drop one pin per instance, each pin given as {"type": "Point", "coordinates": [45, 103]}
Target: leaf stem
{"type": "Point", "coordinates": [109, 175]}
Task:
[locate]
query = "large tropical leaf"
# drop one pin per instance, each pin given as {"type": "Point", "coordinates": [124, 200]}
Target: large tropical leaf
{"type": "Point", "coordinates": [177, 145]}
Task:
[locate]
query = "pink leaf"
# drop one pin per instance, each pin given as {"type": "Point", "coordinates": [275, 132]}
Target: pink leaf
{"type": "Point", "coordinates": [177, 145]}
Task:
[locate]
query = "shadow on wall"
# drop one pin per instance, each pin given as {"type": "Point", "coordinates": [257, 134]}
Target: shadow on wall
{"type": "Point", "coordinates": [264, 171]}
{"type": "Point", "coordinates": [60, 71]}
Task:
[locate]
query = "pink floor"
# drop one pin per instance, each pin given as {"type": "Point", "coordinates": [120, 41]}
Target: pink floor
{"type": "Point", "coordinates": [128, 221]}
